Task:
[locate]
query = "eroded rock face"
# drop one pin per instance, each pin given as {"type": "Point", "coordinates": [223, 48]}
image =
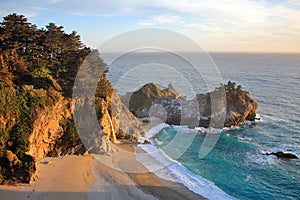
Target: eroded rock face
{"type": "Point", "coordinates": [115, 121]}
{"type": "Point", "coordinates": [215, 109]}
{"type": "Point", "coordinates": [240, 107]}
{"type": "Point", "coordinates": [127, 123]}
{"type": "Point", "coordinates": [47, 129]}
{"type": "Point", "coordinates": [42, 124]}
{"type": "Point", "coordinates": [114, 118]}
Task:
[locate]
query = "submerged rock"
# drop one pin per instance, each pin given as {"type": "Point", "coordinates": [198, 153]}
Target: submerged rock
{"type": "Point", "coordinates": [284, 155]}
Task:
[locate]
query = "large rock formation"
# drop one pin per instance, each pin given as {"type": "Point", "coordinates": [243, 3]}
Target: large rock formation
{"type": "Point", "coordinates": [115, 122]}
{"type": "Point", "coordinates": [41, 124]}
{"type": "Point", "coordinates": [232, 106]}
{"type": "Point", "coordinates": [128, 125]}
{"type": "Point", "coordinates": [36, 86]}
{"type": "Point", "coordinates": [141, 100]}
{"type": "Point", "coordinates": [240, 107]}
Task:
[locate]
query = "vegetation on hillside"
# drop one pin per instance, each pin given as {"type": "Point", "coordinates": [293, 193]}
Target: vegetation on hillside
{"type": "Point", "coordinates": [33, 56]}
{"type": "Point", "coordinates": [37, 69]}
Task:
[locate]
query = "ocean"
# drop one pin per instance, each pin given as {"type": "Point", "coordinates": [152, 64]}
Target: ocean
{"type": "Point", "coordinates": [236, 168]}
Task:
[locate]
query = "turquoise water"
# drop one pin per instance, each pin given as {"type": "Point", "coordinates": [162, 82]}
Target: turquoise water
{"type": "Point", "coordinates": [237, 164]}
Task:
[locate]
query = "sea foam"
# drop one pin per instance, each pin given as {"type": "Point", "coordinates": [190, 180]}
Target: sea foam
{"type": "Point", "coordinates": [165, 167]}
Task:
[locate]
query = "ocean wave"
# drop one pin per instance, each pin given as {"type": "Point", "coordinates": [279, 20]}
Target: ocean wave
{"type": "Point", "coordinates": [208, 130]}
{"type": "Point", "coordinates": [152, 132]}
{"type": "Point", "coordinates": [261, 159]}
{"type": "Point", "coordinates": [245, 138]}
{"type": "Point", "coordinates": [172, 170]}
{"type": "Point", "coordinates": [214, 130]}
{"type": "Point", "coordinates": [247, 122]}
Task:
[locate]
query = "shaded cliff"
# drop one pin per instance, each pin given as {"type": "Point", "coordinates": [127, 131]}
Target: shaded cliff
{"type": "Point", "coordinates": [231, 106]}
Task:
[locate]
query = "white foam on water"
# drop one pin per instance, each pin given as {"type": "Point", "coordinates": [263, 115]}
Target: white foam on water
{"type": "Point", "coordinates": [152, 132]}
{"type": "Point", "coordinates": [245, 139]}
{"type": "Point", "coordinates": [165, 167]}
{"type": "Point", "coordinates": [208, 130]}
{"type": "Point", "coordinates": [285, 148]}
{"type": "Point", "coordinates": [262, 159]}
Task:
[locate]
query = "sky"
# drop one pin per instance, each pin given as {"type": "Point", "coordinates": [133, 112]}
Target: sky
{"type": "Point", "coordinates": [216, 25]}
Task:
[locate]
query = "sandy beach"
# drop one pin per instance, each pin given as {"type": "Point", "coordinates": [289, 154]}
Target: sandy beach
{"type": "Point", "coordinates": [67, 177]}
{"type": "Point", "coordinates": [85, 177]}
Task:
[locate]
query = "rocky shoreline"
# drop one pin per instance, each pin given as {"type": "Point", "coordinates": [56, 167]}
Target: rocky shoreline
{"type": "Point", "coordinates": [118, 118]}
{"type": "Point", "coordinates": [231, 107]}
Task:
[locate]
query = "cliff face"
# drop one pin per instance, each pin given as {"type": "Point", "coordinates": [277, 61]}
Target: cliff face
{"type": "Point", "coordinates": [128, 125]}
{"type": "Point", "coordinates": [36, 85]}
{"type": "Point", "coordinates": [240, 107]}
{"type": "Point", "coordinates": [47, 129]}
{"type": "Point", "coordinates": [37, 122]}
{"type": "Point", "coordinates": [231, 110]}
{"type": "Point", "coordinates": [114, 120]}
{"type": "Point", "coordinates": [30, 125]}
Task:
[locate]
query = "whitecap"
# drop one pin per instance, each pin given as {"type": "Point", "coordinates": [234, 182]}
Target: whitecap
{"type": "Point", "coordinates": [262, 159]}
{"type": "Point", "coordinates": [165, 167]}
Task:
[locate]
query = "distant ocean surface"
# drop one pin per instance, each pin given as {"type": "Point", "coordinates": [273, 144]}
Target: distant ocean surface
{"type": "Point", "coordinates": [236, 165]}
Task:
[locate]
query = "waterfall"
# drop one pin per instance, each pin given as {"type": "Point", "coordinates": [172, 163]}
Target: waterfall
{"type": "Point", "coordinates": [112, 128]}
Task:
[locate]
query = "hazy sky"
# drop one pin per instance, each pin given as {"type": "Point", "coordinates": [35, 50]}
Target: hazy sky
{"type": "Point", "coordinates": [217, 25]}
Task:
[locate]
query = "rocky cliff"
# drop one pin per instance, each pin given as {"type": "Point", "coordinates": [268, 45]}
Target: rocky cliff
{"type": "Point", "coordinates": [36, 87]}
{"type": "Point", "coordinates": [115, 122]}
{"type": "Point", "coordinates": [230, 107]}
{"type": "Point", "coordinates": [37, 122]}
{"type": "Point", "coordinates": [47, 129]}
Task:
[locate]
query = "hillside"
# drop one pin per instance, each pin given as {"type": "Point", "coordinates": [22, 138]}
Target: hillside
{"type": "Point", "coordinates": [37, 72]}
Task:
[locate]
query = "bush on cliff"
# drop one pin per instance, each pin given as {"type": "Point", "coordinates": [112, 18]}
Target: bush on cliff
{"type": "Point", "coordinates": [37, 68]}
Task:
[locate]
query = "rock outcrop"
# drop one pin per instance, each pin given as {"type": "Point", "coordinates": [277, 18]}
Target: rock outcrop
{"type": "Point", "coordinates": [231, 107]}
{"type": "Point", "coordinates": [283, 155]}
{"type": "Point", "coordinates": [141, 100]}
{"type": "Point", "coordinates": [115, 122]}
{"type": "Point", "coordinates": [240, 107]}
